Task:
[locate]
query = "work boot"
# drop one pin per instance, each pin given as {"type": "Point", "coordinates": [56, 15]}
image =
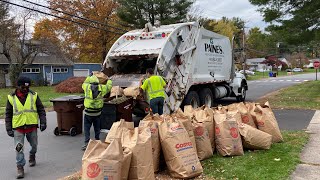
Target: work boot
{"type": "Point", "coordinates": [32, 160]}
{"type": "Point", "coordinates": [84, 147]}
{"type": "Point", "coordinates": [20, 173]}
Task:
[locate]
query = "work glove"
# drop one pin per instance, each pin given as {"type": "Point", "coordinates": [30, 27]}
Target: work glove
{"type": "Point", "coordinates": [43, 127]}
{"type": "Point", "coordinates": [10, 133]}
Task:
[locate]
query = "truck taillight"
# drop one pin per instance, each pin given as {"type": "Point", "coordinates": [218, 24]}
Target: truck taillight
{"type": "Point", "coordinates": [178, 60]}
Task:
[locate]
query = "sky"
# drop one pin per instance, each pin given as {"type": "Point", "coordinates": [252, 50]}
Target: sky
{"type": "Point", "coordinates": [214, 9]}
{"type": "Point", "coordinates": [232, 8]}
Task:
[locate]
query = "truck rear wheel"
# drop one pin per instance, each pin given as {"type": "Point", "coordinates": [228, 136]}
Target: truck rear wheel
{"type": "Point", "coordinates": [206, 97]}
{"type": "Point", "coordinates": [192, 99]}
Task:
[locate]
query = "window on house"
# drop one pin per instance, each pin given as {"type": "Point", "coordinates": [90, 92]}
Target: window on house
{"type": "Point", "coordinates": [60, 70]}
{"type": "Point", "coordinates": [31, 70]}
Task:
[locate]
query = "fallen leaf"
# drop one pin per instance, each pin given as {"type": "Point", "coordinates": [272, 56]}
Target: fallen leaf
{"type": "Point", "coordinates": [277, 159]}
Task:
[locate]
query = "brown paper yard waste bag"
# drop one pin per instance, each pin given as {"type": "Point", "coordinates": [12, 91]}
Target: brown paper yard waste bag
{"type": "Point", "coordinates": [266, 122]}
{"type": "Point", "coordinates": [103, 161]}
{"type": "Point", "coordinates": [253, 138]}
{"type": "Point", "coordinates": [205, 115]}
{"type": "Point", "coordinates": [127, 155]}
{"type": "Point", "coordinates": [139, 141]}
{"type": "Point", "coordinates": [152, 121]}
{"type": "Point", "coordinates": [133, 91]}
{"type": "Point", "coordinates": [101, 76]}
{"type": "Point", "coordinates": [251, 109]}
{"type": "Point", "coordinates": [228, 140]}
{"type": "Point", "coordinates": [188, 111]}
{"type": "Point", "coordinates": [246, 117]}
{"type": "Point", "coordinates": [186, 122]}
{"type": "Point", "coordinates": [181, 158]}
{"type": "Point", "coordinates": [116, 91]}
{"type": "Point", "coordinates": [117, 128]}
{"type": "Point", "coordinates": [203, 144]}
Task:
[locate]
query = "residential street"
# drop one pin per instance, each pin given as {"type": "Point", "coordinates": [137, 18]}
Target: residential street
{"type": "Point", "coordinates": [59, 156]}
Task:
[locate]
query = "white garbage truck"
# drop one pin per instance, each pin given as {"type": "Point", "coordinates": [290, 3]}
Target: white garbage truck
{"type": "Point", "coordinates": [197, 64]}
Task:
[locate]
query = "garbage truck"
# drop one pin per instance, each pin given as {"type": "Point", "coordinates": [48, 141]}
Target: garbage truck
{"type": "Point", "coordinates": [197, 64]}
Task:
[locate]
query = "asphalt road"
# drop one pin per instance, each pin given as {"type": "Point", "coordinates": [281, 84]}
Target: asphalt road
{"type": "Point", "coordinates": [287, 119]}
{"type": "Point", "coordinates": [59, 156]}
{"type": "Point", "coordinates": [259, 88]}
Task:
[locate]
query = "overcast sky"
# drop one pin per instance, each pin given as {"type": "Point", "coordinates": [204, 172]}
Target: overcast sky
{"type": "Point", "coordinates": [232, 8]}
{"type": "Point", "coordinates": [216, 9]}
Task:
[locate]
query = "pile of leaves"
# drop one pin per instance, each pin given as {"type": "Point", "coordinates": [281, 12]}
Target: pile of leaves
{"type": "Point", "coordinates": [71, 85]}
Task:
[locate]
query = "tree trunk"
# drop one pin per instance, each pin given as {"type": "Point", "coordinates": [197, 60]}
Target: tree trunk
{"type": "Point", "coordinates": [14, 73]}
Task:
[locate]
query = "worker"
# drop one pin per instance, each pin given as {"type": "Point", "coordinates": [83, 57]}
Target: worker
{"type": "Point", "coordinates": [23, 111]}
{"type": "Point", "coordinates": [154, 87]}
{"type": "Point", "coordinates": [93, 103]}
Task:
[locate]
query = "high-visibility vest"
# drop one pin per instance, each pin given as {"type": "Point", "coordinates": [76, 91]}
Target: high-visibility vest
{"type": "Point", "coordinates": [24, 114]}
{"type": "Point", "coordinates": [95, 103]}
{"type": "Point", "coordinates": [155, 87]}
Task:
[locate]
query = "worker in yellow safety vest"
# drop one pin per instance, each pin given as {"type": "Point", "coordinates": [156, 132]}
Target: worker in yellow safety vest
{"type": "Point", "coordinates": [154, 86]}
{"type": "Point", "coordinates": [93, 103]}
{"type": "Point", "coordinates": [23, 111]}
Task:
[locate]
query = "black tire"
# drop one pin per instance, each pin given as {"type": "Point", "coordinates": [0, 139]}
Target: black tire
{"type": "Point", "coordinates": [192, 98]}
{"type": "Point", "coordinates": [56, 131]}
{"type": "Point", "coordinates": [206, 97]}
{"type": "Point", "coordinates": [73, 131]}
{"type": "Point", "coordinates": [242, 97]}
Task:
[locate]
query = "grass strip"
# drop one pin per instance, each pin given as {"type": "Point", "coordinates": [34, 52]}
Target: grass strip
{"type": "Point", "coordinates": [276, 163]}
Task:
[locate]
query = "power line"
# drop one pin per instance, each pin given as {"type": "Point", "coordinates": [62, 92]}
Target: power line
{"type": "Point", "coordinates": [72, 15]}
{"type": "Point", "coordinates": [60, 17]}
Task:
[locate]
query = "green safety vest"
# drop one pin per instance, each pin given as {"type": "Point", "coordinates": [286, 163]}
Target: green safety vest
{"type": "Point", "coordinates": [24, 114]}
{"type": "Point", "coordinates": [97, 103]}
{"type": "Point", "coordinates": [155, 87]}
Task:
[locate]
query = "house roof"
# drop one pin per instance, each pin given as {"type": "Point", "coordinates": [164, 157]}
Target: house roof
{"type": "Point", "coordinates": [43, 59]}
{"type": "Point", "coordinates": [312, 60]}
{"type": "Point", "coordinates": [255, 60]}
{"type": "Point", "coordinates": [284, 60]}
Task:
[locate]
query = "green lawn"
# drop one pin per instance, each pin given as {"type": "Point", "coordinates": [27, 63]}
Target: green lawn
{"type": "Point", "coordinates": [260, 164]}
{"type": "Point", "coordinates": [261, 75]}
{"type": "Point", "coordinates": [300, 96]}
{"type": "Point", "coordinates": [45, 93]}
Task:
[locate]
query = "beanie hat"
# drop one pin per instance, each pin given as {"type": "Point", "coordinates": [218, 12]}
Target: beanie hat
{"type": "Point", "coordinates": [23, 81]}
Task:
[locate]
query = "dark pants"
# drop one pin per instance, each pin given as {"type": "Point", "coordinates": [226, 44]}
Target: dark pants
{"type": "Point", "coordinates": [156, 105]}
{"type": "Point", "coordinates": [88, 121]}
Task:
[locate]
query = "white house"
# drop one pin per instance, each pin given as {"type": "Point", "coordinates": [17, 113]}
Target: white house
{"type": "Point", "coordinates": [310, 65]}
{"type": "Point", "coordinates": [256, 64]}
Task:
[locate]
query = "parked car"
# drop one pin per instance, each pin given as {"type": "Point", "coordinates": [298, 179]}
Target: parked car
{"type": "Point", "coordinates": [247, 72]}
{"type": "Point", "coordinates": [297, 70]}
{"type": "Point", "coordinates": [289, 70]}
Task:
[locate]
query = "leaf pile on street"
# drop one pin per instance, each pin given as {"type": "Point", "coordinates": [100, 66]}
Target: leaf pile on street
{"type": "Point", "coordinates": [71, 85]}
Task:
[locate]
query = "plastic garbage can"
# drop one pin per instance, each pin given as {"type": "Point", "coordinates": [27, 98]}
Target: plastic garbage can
{"type": "Point", "coordinates": [270, 74]}
{"type": "Point", "coordinates": [274, 74]}
{"type": "Point", "coordinates": [108, 116]}
{"type": "Point", "coordinates": [69, 114]}
{"type": "Point", "coordinates": [114, 110]}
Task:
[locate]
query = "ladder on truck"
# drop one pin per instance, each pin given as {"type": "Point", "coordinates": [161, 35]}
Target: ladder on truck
{"type": "Point", "coordinates": [175, 64]}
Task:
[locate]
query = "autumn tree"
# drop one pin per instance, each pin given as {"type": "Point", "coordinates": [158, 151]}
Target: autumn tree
{"type": "Point", "coordinates": [15, 42]}
{"type": "Point", "coordinates": [80, 42]}
{"type": "Point", "coordinates": [138, 12]}
{"type": "Point", "coordinates": [297, 21]}
{"type": "Point", "coordinates": [256, 43]}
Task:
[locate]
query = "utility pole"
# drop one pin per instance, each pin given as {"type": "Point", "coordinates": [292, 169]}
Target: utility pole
{"type": "Point", "coordinates": [243, 54]}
